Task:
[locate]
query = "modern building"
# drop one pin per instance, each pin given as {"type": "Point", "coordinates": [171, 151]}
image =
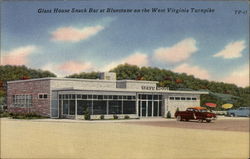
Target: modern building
{"type": "Point", "coordinates": [69, 98]}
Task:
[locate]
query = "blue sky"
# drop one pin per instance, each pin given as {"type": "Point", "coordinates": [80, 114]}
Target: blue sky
{"type": "Point", "coordinates": [211, 46]}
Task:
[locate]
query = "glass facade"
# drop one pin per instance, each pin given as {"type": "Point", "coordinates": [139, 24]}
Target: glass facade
{"type": "Point", "coordinates": [150, 105]}
{"type": "Point", "coordinates": [97, 104]}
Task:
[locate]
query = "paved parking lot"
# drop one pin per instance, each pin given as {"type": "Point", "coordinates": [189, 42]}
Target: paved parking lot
{"type": "Point", "coordinates": [121, 139]}
{"type": "Point", "coordinates": [222, 124]}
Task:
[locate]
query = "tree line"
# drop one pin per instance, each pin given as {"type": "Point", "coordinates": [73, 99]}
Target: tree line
{"type": "Point", "coordinates": [10, 72]}
{"type": "Point", "coordinates": [219, 92]}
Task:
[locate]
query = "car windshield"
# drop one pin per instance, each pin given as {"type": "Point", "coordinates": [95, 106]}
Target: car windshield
{"type": "Point", "coordinates": [203, 110]}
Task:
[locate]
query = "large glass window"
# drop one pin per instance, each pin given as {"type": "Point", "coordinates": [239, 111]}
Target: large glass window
{"type": "Point", "coordinates": [72, 107]}
{"type": "Point", "coordinates": [65, 107]}
{"type": "Point", "coordinates": [129, 107]}
{"type": "Point", "coordinates": [115, 107]}
{"type": "Point", "coordinates": [149, 108]}
{"type": "Point", "coordinates": [83, 105]}
{"type": "Point", "coordinates": [99, 107]}
{"type": "Point", "coordinates": [155, 108]}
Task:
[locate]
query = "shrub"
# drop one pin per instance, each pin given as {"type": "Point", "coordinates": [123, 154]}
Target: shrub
{"type": "Point", "coordinates": [86, 114]}
{"type": "Point", "coordinates": [126, 117]}
{"type": "Point", "coordinates": [4, 114]}
{"type": "Point", "coordinates": [168, 114]}
{"type": "Point", "coordinates": [102, 117]}
{"type": "Point", "coordinates": [115, 116]}
{"type": "Point", "coordinates": [177, 109]}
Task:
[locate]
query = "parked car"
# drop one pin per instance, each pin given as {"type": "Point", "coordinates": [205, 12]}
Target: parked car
{"type": "Point", "coordinates": [241, 111]}
{"type": "Point", "coordinates": [195, 113]}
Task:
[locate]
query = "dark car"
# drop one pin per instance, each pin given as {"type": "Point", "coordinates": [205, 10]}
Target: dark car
{"type": "Point", "coordinates": [195, 113]}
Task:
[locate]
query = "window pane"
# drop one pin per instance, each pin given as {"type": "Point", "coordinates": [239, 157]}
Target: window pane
{"type": "Point", "coordinates": [72, 107]}
{"type": "Point", "coordinates": [183, 98]}
{"type": "Point", "coordinates": [84, 96]}
{"type": "Point", "coordinates": [83, 105]}
{"type": "Point", "coordinates": [45, 96]}
{"type": "Point", "coordinates": [100, 96]}
{"type": "Point", "coordinates": [155, 97]}
{"type": "Point", "coordinates": [193, 98]}
{"type": "Point", "coordinates": [89, 96]}
{"type": "Point", "coordinates": [160, 108]}
{"type": "Point", "coordinates": [155, 108]}
{"type": "Point", "coordinates": [171, 98]}
{"type": "Point", "coordinates": [149, 108]}
{"type": "Point", "coordinates": [115, 107]}
{"type": "Point", "coordinates": [99, 107]}
{"type": "Point", "coordinates": [65, 107]}
{"type": "Point", "coordinates": [160, 97]}
{"type": "Point", "coordinates": [149, 96]}
{"type": "Point", "coordinates": [177, 98]}
{"type": "Point", "coordinates": [129, 107]}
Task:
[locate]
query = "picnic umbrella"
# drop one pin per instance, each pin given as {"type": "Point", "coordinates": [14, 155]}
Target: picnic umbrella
{"type": "Point", "coordinates": [227, 106]}
{"type": "Point", "coordinates": [211, 105]}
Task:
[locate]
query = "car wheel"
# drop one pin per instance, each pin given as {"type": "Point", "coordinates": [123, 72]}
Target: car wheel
{"type": "Point", "coordinates": [178, 118]}
{"type": "Point", "coordinates": [232, 115]}
{"type": "Point", "coordinates": [208, 121]}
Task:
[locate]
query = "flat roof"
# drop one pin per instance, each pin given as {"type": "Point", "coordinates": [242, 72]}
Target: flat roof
{"type": "Point", "coordinates": [77, 79]}
{"type": "Point", "coordinates": [71, 89]}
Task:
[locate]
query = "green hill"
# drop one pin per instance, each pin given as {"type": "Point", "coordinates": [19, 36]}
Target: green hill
{"type": "Point", "coordinates": [219, 92]}
{"type": "Point", "coordinates": [9, 73]}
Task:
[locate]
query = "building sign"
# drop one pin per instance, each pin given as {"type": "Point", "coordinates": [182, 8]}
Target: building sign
{"type": "Point", "coordinates": [154, 88]}
{"type": "Point", "coordinates": [162, 88]}
{"type": "Point", "coordinates": [147, 88]}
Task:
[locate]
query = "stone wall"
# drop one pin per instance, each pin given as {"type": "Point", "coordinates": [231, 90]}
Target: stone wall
{"type": "Point", "coordinates": [34, 88]}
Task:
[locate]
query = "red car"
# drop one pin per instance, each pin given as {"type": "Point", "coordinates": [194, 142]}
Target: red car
{"type": "Point", "coordinates": [195, 113]}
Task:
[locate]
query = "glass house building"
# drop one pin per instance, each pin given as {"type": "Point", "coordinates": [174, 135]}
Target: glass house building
{"type": "Point", "coordinates": [69, 98]}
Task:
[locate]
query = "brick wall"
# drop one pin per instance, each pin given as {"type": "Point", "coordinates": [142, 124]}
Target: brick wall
{"type": "Point", "coordinates": [39, 106]}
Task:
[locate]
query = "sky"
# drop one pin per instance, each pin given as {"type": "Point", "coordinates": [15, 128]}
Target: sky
{"type": "Point", "coordinates": [211, 45]}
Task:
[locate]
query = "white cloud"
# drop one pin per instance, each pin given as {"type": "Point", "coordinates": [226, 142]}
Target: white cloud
{"type": "Point", "coordinates": [71, 34]}
{"type": "Point", "coordinates": [18, 56]}
{"type": "Point", "coordinates": [239, 76]}
{"type": "Point", "coordinates": [68, 68]}
{"type": "Point", "coordinates": [139, 59]}
{"type": "Point", "coordinates": [176, 53]}
{"type": "Point", "coordinates": [193, 70]}
{"type": "Point", "coordinates": [232, 50]}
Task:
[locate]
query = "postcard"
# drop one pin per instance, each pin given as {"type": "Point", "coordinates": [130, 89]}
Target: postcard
{"type": "Point", "coordinates": [112, 79]}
